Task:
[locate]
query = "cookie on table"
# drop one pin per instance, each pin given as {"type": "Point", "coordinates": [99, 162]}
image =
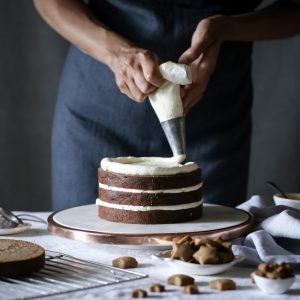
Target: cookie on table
{"type": "Point", "coordinates": [157, 288]}
{"type": "Point", "coordinates": [125, 262]}
{"type": "Point", "coordinates": [222, 284]}
{"type": "Point", "coordinates": [180, 280]}
{"type": "Point", "coordinates": [138, 293]}
{"type": "Point", "coordinates": [191, 289]}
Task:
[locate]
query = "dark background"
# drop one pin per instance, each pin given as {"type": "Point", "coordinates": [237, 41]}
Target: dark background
{"type": "Point", "coordinates": [31, 59]}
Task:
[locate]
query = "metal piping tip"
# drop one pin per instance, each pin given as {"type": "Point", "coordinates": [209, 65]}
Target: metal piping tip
{"type": "Point", "coordinates": [174, 130]}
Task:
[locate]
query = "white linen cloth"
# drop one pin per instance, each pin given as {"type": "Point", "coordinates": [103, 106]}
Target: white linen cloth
{"type": "Point", "coordinates": [277, 235]}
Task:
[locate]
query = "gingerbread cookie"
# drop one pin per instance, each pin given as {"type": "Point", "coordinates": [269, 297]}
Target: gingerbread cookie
{"type": "Point", "coordinates": [206, 255]}
{"type": "Point", "coordinates": [202, 251]}
{"type": "Point", "coordinates": [275, 271]}
{"type": "Point", "coordinates": [180, 280]}
{"type": "Point", "coordinates": [222, 284]}
{"type": "Point", "coordinates": [137, 293]}
{"type": "Point", "coordinates": [125, 262]}
{"type": "Point", "coordinates": [157, 288]}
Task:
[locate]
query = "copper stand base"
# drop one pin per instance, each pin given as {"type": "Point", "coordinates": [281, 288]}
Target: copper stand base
{"type": "Point", "coordinates": [147, 240]}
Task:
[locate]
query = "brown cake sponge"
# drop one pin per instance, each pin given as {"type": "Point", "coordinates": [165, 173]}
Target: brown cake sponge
{"type": "Point", "coordinates": [19, 257]}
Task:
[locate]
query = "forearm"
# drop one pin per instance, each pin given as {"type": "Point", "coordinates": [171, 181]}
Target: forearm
{"type": "Point", "coordinates": [277, 21]}
{"type": "Point", "coordinates": [136, 70]}
{"type": "Point", "coordinates": [73, 21]}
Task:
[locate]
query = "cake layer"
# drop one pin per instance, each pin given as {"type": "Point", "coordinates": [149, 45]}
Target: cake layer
{"type": "Point", "coordinates": [149, 190]}
{"type": "Point", "coordinates": [150, 182]}
{"type": "Point", "coordinates": [149, 199]}
{"type": "Point", "coordinates": [150, 217]}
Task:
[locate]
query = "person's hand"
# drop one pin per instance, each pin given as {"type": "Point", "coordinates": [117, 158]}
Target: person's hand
{"type": "Point", "coordinates": [137, 72]}
{"type": "Point", "coordinates": [202, 58]}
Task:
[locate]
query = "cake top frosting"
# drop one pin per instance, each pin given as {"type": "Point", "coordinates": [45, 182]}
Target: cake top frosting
{"type": "Point", "coordinates": [148, 165]}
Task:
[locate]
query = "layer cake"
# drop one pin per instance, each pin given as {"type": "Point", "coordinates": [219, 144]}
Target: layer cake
{"type": "Point", "coordinates": [149, 190]}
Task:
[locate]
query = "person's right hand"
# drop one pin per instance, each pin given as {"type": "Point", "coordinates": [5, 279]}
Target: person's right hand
{"type": "Point", "coordinates": [137, 72]}
{"type": "Point", "coordinates": [202, 57]}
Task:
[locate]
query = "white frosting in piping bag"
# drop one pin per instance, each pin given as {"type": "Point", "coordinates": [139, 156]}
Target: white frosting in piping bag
{"type": "Point", "coordinates": [166, 101]}
{"type": "Point", "coordinates": [176, 73]}
{"type": "Point", "coordinates": [147, 165]}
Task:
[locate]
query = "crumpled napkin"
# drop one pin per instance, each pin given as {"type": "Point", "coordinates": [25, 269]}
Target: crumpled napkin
{"type": "Point", "coordinates": [276, 237]}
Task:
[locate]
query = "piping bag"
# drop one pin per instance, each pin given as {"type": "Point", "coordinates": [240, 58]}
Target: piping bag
{"type": "Point", "coordinates": [167, 104]}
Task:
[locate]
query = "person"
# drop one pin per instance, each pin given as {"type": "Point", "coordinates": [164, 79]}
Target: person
{"type": "Point", "coordinates": [116, 50]}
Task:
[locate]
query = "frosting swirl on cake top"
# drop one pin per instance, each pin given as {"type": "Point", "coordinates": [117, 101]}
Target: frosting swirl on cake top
{"type": "Point", "coordinates": [147, 166]}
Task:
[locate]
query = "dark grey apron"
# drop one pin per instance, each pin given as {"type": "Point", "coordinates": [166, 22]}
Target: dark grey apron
{"type": "Point", "coordinates": [94, 120]}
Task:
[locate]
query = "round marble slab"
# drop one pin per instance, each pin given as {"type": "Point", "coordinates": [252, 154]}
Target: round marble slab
{"type": "Point", "coordinates": [82, 223]}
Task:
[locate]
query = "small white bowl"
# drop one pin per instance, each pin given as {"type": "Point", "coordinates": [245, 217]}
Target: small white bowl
{"type": "Point", "coordinates": [197, 269]}
{"type": "Point", "coordinates": [273, 286]}
{"type": "Point", "coordinates": [293, 201]}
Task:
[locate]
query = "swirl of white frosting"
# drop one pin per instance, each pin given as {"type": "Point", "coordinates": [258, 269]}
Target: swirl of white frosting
{"type": "Point", "coordinates": [148, 166]}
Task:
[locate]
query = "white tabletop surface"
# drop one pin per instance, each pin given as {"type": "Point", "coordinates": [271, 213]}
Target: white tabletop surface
{"type": "Point", "coordinates": [157, 271]}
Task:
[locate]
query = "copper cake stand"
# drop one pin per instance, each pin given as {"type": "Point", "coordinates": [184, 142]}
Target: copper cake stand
{"type": "Point", "coordinates": [82, 223]}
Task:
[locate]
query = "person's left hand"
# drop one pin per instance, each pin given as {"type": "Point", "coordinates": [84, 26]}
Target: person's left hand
{"type": "Point", "coordinates": [202, 58]}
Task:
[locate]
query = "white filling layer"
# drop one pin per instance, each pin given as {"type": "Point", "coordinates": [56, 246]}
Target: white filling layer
{"type": "Point", "coordinates": [100, 202]}
{"type": "Point", "coordinates": [137, 191]}
{"type": "Point", "coordinates": [147, 166]}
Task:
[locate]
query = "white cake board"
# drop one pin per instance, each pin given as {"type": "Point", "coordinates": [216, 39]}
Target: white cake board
{"type": "Point", "coordinates": [82, 223]}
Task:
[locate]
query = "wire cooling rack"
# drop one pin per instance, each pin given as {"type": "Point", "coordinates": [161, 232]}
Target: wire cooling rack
{"type": "Point", "coordinates": [61, 274]}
